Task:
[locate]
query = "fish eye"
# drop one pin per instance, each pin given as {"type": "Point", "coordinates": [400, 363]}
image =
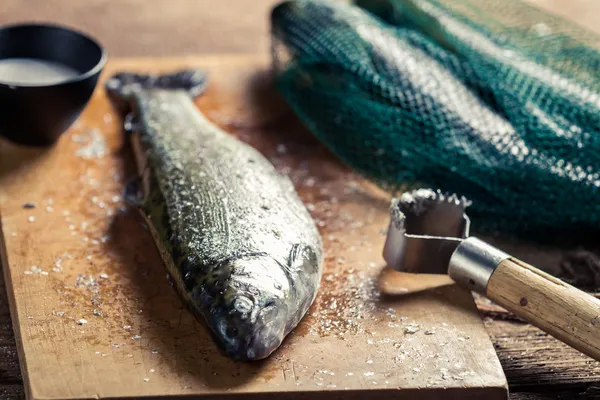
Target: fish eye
{"type": "Point", "coordinates": [242, 304]}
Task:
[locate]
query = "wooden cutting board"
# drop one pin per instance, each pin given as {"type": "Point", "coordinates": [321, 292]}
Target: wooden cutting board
{"type": "Point", "coordinates": [95, 317]}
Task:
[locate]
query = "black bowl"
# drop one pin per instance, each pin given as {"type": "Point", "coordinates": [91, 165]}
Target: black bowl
{"type": "Point", "coordinates": [33, 112]}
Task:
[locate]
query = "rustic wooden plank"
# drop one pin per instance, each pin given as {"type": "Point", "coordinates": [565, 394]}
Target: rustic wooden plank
{"type": "Point", "coordinates": [354, 340]}
{"type": "Point", "coordinates": [11, 391]}
{"type": "Point", "coordinates": [533, 359]}
{"type": "Point", "coordinates": [148, 35]}
{"type": "Point", "coordinates": [573, 394]}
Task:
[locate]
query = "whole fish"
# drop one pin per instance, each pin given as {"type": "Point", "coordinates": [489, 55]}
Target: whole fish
{"type": "Point", "coordinates": [239, 245]}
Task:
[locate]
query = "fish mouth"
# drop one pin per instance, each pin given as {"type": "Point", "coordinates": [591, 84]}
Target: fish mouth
{"type": "Point", "coordinates": [252, 338]}
{"type": "Point", "coordinates": [248, 311]}
{"type": "Point", "coordinates": [269, 333]}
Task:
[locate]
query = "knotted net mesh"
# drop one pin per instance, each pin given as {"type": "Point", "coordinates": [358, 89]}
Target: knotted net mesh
{"type": "Point", "coordinates": [491, 99]}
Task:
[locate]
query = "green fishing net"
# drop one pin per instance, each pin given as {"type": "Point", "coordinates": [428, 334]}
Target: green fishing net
{"type": "Point", "coordinates": [491, 99]}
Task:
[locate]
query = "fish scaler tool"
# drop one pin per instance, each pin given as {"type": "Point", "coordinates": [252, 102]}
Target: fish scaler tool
{"type": "Point", "coordinates": [429, 233]}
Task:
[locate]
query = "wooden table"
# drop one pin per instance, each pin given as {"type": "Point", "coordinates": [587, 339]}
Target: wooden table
{"type": "Point", "coordinates": [537, 366]}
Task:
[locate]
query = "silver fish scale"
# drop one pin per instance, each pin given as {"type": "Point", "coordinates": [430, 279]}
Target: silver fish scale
{"type": "Point", "coordinates": [226, 214]}
{"type": "Point", "coordinates": [210, 198]}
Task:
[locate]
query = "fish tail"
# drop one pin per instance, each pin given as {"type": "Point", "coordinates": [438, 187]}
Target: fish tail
{"type": "Point", "coordinates": [123, 85]}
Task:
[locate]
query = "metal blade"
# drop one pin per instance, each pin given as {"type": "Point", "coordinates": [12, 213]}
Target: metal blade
{"type": "Point", "coordinates": [425, 229]}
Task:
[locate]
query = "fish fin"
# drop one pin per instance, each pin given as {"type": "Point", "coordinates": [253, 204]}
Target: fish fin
{"type": "Point", "coordinates": [121, 86]}
{"type": "Point", "coordinates": [302, 256]}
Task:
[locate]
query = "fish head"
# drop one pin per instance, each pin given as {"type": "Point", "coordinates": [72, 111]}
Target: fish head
{"type": "Point", "coordinates": [248, 308]}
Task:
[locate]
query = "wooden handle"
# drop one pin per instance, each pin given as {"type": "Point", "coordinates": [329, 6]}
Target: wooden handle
{"type": "Point", "coordinates": [552, 305]}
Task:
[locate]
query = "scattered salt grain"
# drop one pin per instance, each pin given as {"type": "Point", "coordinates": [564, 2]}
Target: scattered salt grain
{"type": "Point", "coordinates": [369, 361]}
{"type": "Point", "coordinates": [94, 144]}
{"type": "Point", "coordinates": [416, 369]}
{"type": "Point", "coordinates": [87, 281]}
{"type": "Point", "coordinates": [103, 276]}
{"type": "Point", "coordinates": [136, 337]}
{"type": "Point", "coordinates": [432, 332]}
{"type": "Point", "coordinates": [349, 373]}
{"type": "Point", "coordinates": [31, 218]}
{"type": "Point", "coordinates": [151, 370]}
{"type": "Point", "coordinates": [410, 329]}
{"type": "Point", "coordinates": [126, 327]}
{"type": "Point", "coordinates": [36, 270]}
{"type": "Point", "coordinates": [59, 313]}
{"type": "Point", "coordinates": [97, 313]}
{"type": "Point", "coordinates": [57, 265]}
{"type": "Point", "coordinates": [146, 379]}
{"type": "Point", "coordinates": [82, 321]}
{"type": "Point", "coordinates": [444, 372]}
{"type": "Point", "coordinates": [369, 373]}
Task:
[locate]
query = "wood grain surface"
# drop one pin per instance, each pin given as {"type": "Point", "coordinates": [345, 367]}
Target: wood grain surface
{"type": "Point", "coordinates": [94, 315]}
{"type": "Point", "coordinates": [554, 306]}
{"type": "Point", "coordinates": [130, 28]}
{"type": "Point", "coordinates": [537, 366]}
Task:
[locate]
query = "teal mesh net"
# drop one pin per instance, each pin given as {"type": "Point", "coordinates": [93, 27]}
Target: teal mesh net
{"type": "Point", "coordinates": [494, 100]}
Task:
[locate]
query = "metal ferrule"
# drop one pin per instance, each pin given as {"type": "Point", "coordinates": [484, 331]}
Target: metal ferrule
{"type": "Point", "coordinates": [473, 263]}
